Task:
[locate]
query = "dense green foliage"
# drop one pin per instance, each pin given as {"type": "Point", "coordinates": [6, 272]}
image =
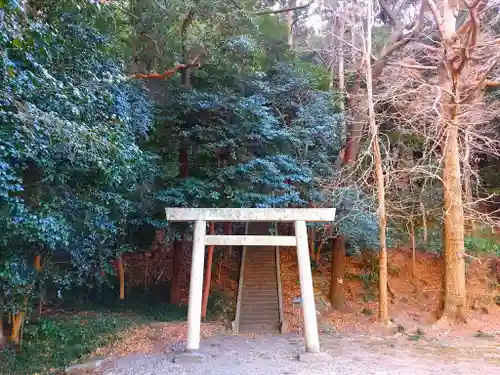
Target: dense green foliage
{"type": "Point", "coordinates": [71, 165]}
{"type": "Point", "coordinates": [89, 157]}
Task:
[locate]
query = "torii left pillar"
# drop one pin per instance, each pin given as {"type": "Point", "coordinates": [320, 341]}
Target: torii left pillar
{"type": "Point", "coordinates": [192, 353]}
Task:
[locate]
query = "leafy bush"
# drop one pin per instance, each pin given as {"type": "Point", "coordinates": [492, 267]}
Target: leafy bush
{"type": "Point", "coordinates": [54, 343]}
{"type": "Point", "coordinates": [481, 243]}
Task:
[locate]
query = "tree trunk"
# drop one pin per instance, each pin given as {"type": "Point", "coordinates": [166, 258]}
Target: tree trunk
{"type": "Point", "coordinates": [338, 271]}
{"type": "Point", "coordinates": [121, 273]}
{"type": "Point", "coordinates": [38, 263]}
{"type": "Point", "coordinates": [208, 275]}
{"type": "Point", "coordinates": [413, 251]}
{"type": "Point", "coordinates": [291, 24]}
{"type": "Point", "coordinates": [228, 230]}
{"type": "Point", "coordinates": [470, 224]}
{"type": "Point", "coordinates": [178, 256]}
{"type": "Point", "coordinates": [2, 337]}
{"type": "Point", "coordinates": [175, 282]}
{"type": "Point", "coordinates": [424, 223]}
{"type": "Point", "coordinates": [383, 312]}
{"type": "Point", "coordinates": [455, 298]}
{"type": "Point", "coordinates": [17, 323]}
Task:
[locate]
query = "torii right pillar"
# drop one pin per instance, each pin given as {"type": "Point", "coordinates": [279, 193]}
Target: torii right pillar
{"type": "Point", "coordinates": [306, 289]}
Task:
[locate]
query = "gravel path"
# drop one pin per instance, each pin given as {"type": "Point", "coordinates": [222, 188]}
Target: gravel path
{"type": "Point", "coordinates": [265, 355]}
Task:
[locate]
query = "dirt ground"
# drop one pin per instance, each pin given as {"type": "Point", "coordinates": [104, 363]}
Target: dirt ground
{"type": "Point", "coordinates": [414, 304]}
{"type": "Point", "coordinates": [355, 343]}
{"type": "Point", "coordinates": [149, 350]}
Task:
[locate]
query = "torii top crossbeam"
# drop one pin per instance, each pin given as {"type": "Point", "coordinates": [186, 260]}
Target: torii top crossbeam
{"type": "Point", "coordinates": [251, 214]}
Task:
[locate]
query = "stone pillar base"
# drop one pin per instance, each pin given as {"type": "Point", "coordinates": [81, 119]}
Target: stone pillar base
{"type": "Point", "coordinates": [191, 357]}
{"type": "Point", "coordinates": [314, 357]}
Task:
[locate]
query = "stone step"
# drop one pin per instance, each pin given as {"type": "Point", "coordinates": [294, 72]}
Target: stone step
{"type": "Point", "coordinates": [263, 312]}
{"type": "Point", "coordinates": [262, 276]}
{"type": "Point", "coordinates": [261, 284]}
{"type": "Point", "coordinates": [259, 309]}
{"type": "Point", "coordinates": [267, 328]}
{"type": "Point", "coordinates": [262, 309]}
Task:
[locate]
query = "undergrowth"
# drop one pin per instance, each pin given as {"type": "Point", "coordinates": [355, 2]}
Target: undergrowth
{"type": "Point", "coordinates": [54, 343]}
{"type": "Point", "coordinates": [150, 305]}
{"type": "Point", "coordinates": [482, 243]}
{"type": "Point", "coordinates": [78, 326]}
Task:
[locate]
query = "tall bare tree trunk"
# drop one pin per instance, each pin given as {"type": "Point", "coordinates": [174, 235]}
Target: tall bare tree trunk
{"type": "Point", "coordinates": [338, 247]}
{"type": "Point", "coordinates": [454, 286]}
{"type": "Point", "coordinates": [291, 24]}
{"type": "Point", "coordinates": [383, 311]}
{"type": "Point", "coordinates": [341, 66]}
{"type": "Point", "coordinates": [470, 225]}
{"type": "Point", "coordinates": [455, 299]}
{"type": "Point", "coordinates": [396, 40]}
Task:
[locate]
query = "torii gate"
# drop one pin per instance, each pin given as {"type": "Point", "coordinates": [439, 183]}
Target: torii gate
{"type": "Point", "coordinates": [200, 239]}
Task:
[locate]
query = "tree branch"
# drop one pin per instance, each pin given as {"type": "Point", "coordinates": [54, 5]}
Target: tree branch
{"type": "Point", "coordinates": [410, 66]}
{"type": "Point", "coordinates": [390, 13]}
{"type": "Point", "coordinates": [169, 73]}
{"type": "Point", "coordinates": [283, 10]}
{"type": "Point", "coordinates": [396, 40]}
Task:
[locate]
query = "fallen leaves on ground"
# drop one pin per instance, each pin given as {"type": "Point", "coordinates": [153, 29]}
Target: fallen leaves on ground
{"type": "Point", "coordinates": [154, 338]}
{"type": "Point", "coordinates": [415, 302]}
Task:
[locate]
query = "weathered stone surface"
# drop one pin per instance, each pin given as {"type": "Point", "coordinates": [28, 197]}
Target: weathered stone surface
{"type": "Point", "coordinates": [329, 329]}
{"type": "Point", "coordinates": [308, 357]}
{"type": "Point", "coordinates": [234, 326]}
{"type": "Point", "coordinates": [90, 364]}
{"type": "Point", "coordinates": [191, 357]}
{"type": "Point", "coordinates": [250, 214]}
{"type": "Point", "coordinates": [285, 327]}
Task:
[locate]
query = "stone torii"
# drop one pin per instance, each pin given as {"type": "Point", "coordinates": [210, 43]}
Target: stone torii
{"type": "Point", "coordinates": [200, 216]}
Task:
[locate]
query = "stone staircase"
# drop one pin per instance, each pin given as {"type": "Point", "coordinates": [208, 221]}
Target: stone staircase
{"type": "Point", "coordinates": [258, 299]}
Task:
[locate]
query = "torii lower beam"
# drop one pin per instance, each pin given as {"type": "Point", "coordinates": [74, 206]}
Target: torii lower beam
{"type": "Point", "coordinates": [297, 215]}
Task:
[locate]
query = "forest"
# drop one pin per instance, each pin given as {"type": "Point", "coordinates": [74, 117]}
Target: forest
{"type": "Point", "coordinates": [112, 110]}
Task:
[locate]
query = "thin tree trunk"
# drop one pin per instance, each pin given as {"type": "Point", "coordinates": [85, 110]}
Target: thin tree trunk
{"type": "Point", "coordinates": [291, 24]}
{"type": "Point", "coordinates": [355, 129]}
{"type": "Point", "coordinates": [146, 274]}
{"type": "Point", "coordinates": [208, 275]}
{"type": "Point", "coordinates": [413, 251]}
{"type": "Point", "coordinates": [341, 66]}
{"type": "Point", "coordinates": [178, 253]}
{"type": "Point", "coordinates": [37, 265]}
{"type": "Point", "coordinates": [2, 337]}
{"type": "Point", "coordinates": [383, 311]}
{"type": "Point", "coordinates": [337, 274]}
{"type": "Point", "coordinates": [424, 223]}
{"type": "Point", "coordinates": [121, 272]}
{"type": "Point", "coordinates": [470, 224]}
{"type": "Point", "coordinates": [175, 282]}
{"type": "Point", "coordinates": [228, 230]}
{"type": "Point", "coordinates": [338, 248]}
